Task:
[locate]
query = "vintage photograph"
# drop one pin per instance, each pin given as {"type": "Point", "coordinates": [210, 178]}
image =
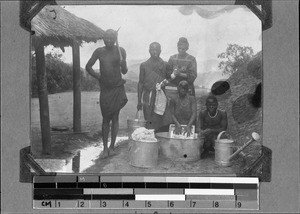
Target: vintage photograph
{"type": "Point", "coordinates": [147, 89]}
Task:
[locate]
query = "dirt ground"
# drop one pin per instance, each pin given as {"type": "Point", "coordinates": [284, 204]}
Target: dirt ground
{"type": "Point", "coordinates": [61, 115]}
{"type": "Point", "coordinates": [67, 145]}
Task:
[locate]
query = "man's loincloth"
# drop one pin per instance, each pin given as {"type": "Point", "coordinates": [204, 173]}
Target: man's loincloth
{"type": "Point", "coordinates": [112, 100]}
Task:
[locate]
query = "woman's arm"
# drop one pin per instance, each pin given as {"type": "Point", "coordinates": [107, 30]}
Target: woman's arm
{"type": "Point", "coordinates": [192, 118]}
{"type": "Point", "coordinates": [177, 124]}
{"type": "Point", "coordinates": [194, 112]}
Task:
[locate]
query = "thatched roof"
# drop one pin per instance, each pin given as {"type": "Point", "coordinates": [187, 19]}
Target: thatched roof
{"type": "Point", "coordinates": [58, 27]}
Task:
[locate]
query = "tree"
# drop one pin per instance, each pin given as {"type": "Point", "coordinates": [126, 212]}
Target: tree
{"type": "Point", "coordinates": [235, 56]}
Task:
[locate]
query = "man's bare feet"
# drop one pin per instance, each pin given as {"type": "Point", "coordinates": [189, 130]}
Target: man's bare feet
{"type": "Point", "coordinates": [104, 154]}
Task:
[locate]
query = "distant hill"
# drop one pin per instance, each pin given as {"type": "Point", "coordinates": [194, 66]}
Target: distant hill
{"type": "Point", "coordinates": [208, 79]}
{"type": "Point", "coordinates": [205, 79]}
{"type": "Point", "coordinates": [209, 65]}
{"type": "Point", "coordinates": [133, 70]}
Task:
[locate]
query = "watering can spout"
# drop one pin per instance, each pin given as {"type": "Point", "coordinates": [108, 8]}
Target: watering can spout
{"type": "Point", "coordinates": [255, 137]}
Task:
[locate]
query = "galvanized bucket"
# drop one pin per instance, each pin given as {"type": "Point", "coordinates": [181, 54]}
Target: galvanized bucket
{"type": "Point", "coordinates": [133, 124]}
{"type": "Point", "coordinates": [223, 150]}
{"type": "Point", "coordinates": [143, 154]}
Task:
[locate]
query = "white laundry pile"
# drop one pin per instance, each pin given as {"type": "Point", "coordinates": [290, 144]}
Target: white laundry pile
{"type": "Point", "coordinates": [183, 136]}
{"type": "Point", "coordinates": [144, 135]}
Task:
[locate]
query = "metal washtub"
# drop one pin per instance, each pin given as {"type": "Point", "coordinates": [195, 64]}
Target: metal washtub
{"type": "Point", "coordinates": [179, 149]}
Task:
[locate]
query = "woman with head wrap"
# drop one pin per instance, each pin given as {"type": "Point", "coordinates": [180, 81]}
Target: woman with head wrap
{"type": "Point", "coordinates": [181, 66]}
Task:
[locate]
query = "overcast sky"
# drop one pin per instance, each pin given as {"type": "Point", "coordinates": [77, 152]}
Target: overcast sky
{"type": "Point", "coordinates": [208, 33]}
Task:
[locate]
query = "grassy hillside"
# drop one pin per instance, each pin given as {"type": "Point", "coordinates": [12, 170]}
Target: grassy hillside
{"type": "Point", "coordinates": [133, 70]}
{"type": "Point", "coordinates": [237, 101]}
{"type": "Point", "coordinates": [60, 78]}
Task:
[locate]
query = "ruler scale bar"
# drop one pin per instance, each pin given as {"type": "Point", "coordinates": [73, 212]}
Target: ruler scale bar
{"type": "Point", "coordinates": [88, 179]}
{"type": "Point", "coordinates": [200, 185]}
{"type": "Point", "coordinates": [134, 185]}
{"type": "Point", "coordinates": [58, 191]}
{"type": "Point", "coordinates": [140, 192]}
{"type": "Point", "coordinates": [112, 191]}
{"type": "Point", "coordinates": [66, 185]}
{"type": "Point", "coordinates": [66, 197]}
{"type": "Point", "coordinates": [178, 185]}
{"type": "Point", "coordinates": [161, 197]}
{"type": "Point", "coordinates": [88, 185]}
{"type": "Point", "coordinates": [211, 197]}
{"type": "Point", "coordinates": [222, 186]}
{"type": "Point", "coordinates": [114, 197]}
{"type": "Point", "coordinates": [159, 191]}
{"type": "Point", "coordinates": [209, 191]}
{"type": "Point", "coordinates": [44, 185]}
{"type": "Point", "coordinates": [156, 185]}
{"type": "Point", "coordinates": [111, 185]}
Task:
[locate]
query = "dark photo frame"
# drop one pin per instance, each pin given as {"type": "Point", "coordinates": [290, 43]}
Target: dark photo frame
{"type": "Point", "coordinates": [280, 104]}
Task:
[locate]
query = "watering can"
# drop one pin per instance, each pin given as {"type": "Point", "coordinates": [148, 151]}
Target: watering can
{"type": "Point", "coordinates": [224, 149]}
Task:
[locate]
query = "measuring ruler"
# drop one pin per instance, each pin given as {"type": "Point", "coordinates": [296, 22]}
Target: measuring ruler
{"type": "Point", "coordinates": [145, 192]}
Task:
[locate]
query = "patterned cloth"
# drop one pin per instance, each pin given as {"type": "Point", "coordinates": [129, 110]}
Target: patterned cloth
{"type": "Point", "coordinates": [151, 73]}
{"type": "Point", "coordinates": [186, 65]}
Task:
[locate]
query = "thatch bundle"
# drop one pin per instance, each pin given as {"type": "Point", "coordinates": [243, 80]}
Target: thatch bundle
{"type": "Point", "coordinates": [58, 27]}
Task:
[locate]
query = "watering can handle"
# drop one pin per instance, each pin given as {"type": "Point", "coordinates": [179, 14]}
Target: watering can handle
{"type": "Point", "coordinates": [219, 135]}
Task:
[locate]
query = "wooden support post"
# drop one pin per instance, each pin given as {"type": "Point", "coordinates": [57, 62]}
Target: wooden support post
{"type": "Point", "coordinates": [43, 98]}
{"type": "Point", "coordinates": [76, 88]}
{"type": "Point", "coordinates": [76, 163]}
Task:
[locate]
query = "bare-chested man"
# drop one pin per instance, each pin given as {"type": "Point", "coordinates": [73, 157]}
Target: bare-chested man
{"type": "Point", "coordinates": [152, 71]}
{"type": "Point", "coordinates": [212, 122]}
{"type": "Point", "coordinates": [112, 96]}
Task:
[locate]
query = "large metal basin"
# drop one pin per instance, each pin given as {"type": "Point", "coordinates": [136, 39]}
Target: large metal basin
{"type": "Point", "coordinates": [179, 149]}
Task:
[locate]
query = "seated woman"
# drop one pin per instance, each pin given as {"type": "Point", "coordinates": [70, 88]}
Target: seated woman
{"type": "Point", "coordinates": [183, 109]}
